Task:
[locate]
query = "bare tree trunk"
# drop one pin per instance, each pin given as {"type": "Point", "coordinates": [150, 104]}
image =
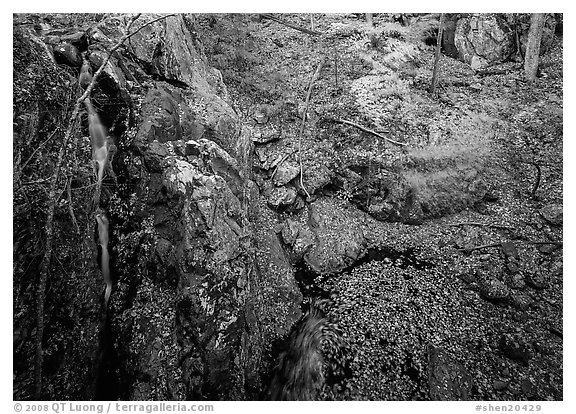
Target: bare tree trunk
{"type": "Point", "coordinates": [533, 46]}
{"type": "Point", "coordinates": [437, 55]}
{"type": "Point", "coordinates": [370, 19]}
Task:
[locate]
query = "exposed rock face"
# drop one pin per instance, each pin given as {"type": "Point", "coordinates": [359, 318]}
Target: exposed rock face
{"type": "Point", "coordinates": [483, 39]}
{"type": "Point", "coordinates": [203, 287]}
{"type": "Point", "coordinates": [227, 302]}
{"type": "Point", "coordinates": [203, 221]}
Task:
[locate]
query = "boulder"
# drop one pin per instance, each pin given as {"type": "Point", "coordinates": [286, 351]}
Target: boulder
{"type": "Point", "coordinates": [285, 173]}
{"type": "Point", "coordinates": [316, 176]}
{"type": "Point", "coordinates": [290, 230]}
{"type": "Point", "coordinates": [154, 156]}
{"type": "Point", "coordinates": [338, 237]}
{"type": "Point", "coordinates": [447, 378]}
{"type": "Point", "coordinates": [282, 196]}
{"type": "Point", "coordinates": [499, 385]}
{"type": "Point", "coordinates": [494, 290]}
{"type": "Point", "coordinates": [552, 213]}
{"type": "Point", "coordinates": [263, 134]}
{"type": "Point", "coordinates": [536, 279]}
{"type": "Point", "coordinates": [520, 301]}
{"type": "Point", "coordinates": [111, 70]}
{"type": "Point", "coordinates": [228, 305]}
{"type": "Point", "coordinates": [484, 39]}
{"type": "Point", "coordinates": [67, 54]}
{"type": "Point", "coordinates": [173, 51]}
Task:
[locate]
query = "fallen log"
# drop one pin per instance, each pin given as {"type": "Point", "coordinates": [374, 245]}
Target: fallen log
{"type": "Point", "coordinates": [363, 128]}
{"type": "Point", "coordinates": [290, 25]}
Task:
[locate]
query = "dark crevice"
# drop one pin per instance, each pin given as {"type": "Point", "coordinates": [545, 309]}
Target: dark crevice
{"type": "Point", "coordinates": [419, 379]}
{"type": "Point", "coordinates": [399, 258]}
{"type": "Point", "coordinates": [309, 283]}
{"type": "Point", "coordinates": [107, 378]}
{"type": "Point", "coordinates": [173, 82]}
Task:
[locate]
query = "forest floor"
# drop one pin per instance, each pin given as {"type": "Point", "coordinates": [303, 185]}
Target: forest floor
{"type": "Point", "coordinates": [497, 310]}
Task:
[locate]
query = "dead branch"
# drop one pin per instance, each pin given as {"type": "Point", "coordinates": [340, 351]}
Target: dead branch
{"type": "Point", "coordinates": [484, 246]}
{"type": "Point", "coordinates": [314, 77]}
{"type": "Point", "coordinates": [538, 178]}
{"type": "Point", "coordinates": [472, 223]}
{"type": "Point", "coordinates": [70, 208]}
{"type": "Point", "coordinates": [493, 71]}
{"type": "Point", "coordinates": [38, 147]}
{"type": "Point", "coordinates": [363, 128]}
{"type": "Point", "coordinates": [487, 246]}
{"type": "Point", "coordinates": [292, 26]}
{"type": "Point", "coordinates": [40, 298]}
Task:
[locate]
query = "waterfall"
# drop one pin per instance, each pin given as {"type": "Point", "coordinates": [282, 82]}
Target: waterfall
{"type": "Point", "coordinates": [102, 221]}
{"type": "Point", "coordinates": [98, 139]}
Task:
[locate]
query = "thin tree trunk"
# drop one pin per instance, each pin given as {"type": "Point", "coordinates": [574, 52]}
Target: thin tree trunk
{"type": "Point", "coordinates": [314, 77]}
{"type": "Point", "coordinates": [437, 56]}
{"type": "Point", "coordinates": [370, 19]}
{"type": "Point", "coordinates": [533, 46]}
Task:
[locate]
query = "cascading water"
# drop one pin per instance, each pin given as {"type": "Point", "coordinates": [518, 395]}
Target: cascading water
{"type": "Point", "coordinates": [98, 139]}
{"type": "Point", "coordinates": [315, 354]}
{"type": "Point", "coordinates": [102, 221]}
{"type": "Point", "coordinates": [106, 381]}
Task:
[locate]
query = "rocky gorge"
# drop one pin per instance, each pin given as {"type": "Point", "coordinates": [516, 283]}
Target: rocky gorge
{"type": "Point", "coordinates": [260, 250]}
